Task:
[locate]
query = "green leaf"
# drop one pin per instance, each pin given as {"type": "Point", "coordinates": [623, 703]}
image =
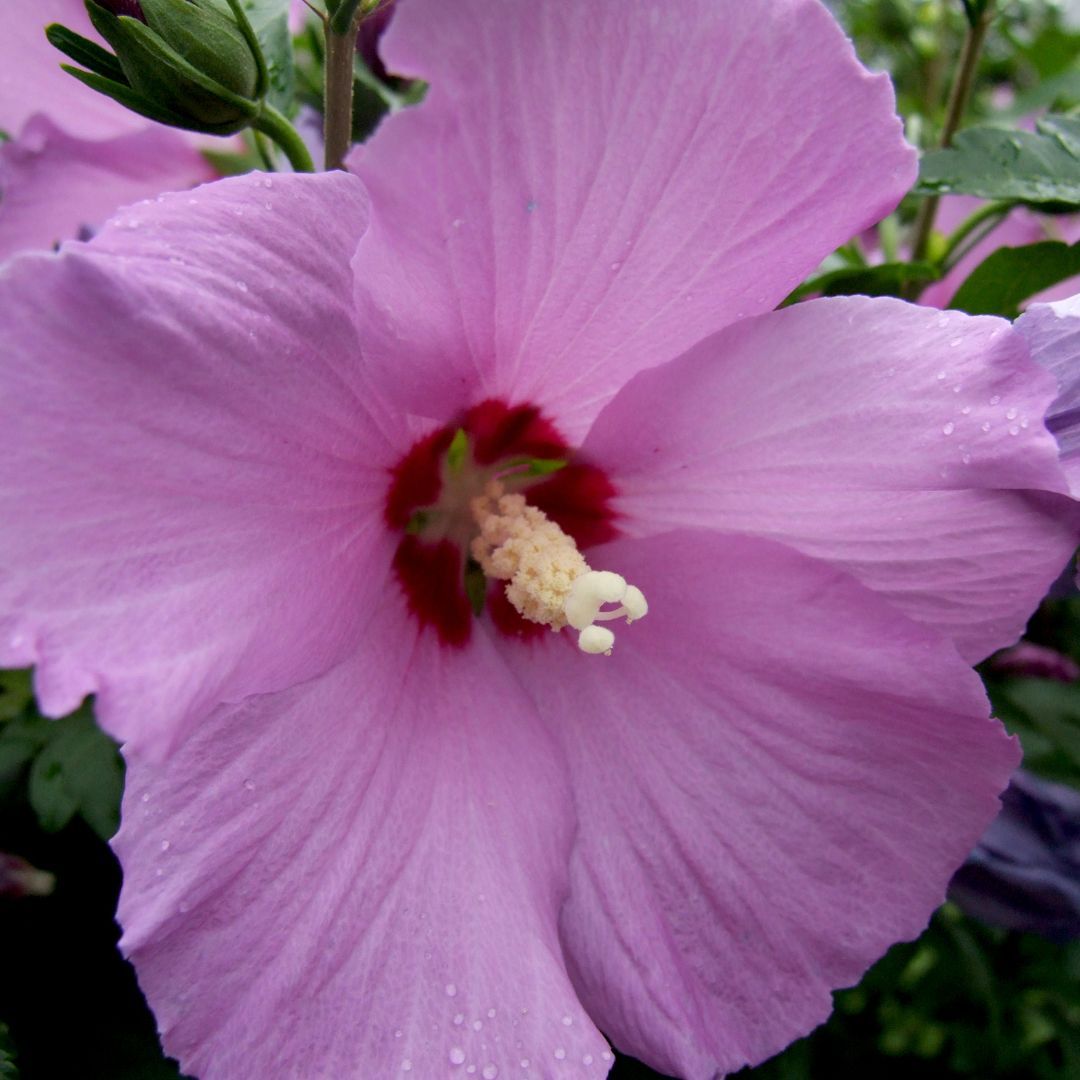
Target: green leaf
{"type": "Point", "coordinates": [78, 771]}
{"type": "Point", "coordinates": [1011, 275]}
{"type": "Point", "coordinates": [1040, 168]}
{"type": "Point", "coordinates": [1045, 714]}
{"type": "Point", "coordinates": [270, 21]}
{"type": "Point", "coordinates": [16, 693]}
{"type": "Point", "coordinates": [888, 279]}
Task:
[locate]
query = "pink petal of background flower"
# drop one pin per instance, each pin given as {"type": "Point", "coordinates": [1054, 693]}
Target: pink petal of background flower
{"type": "Point", "coordinates": [1053, 331]}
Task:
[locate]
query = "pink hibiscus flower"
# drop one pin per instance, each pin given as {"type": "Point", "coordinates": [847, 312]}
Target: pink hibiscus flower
{"type": "Point", "coordinates": [369, 833]}
{"type": "Point", "coordinates": [75, 156]}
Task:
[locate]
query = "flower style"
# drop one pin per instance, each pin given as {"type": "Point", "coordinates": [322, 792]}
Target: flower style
{"type": "Point", "coordinates": [76, 156]}
{"type": "Point", "coordinates": [368, 832]}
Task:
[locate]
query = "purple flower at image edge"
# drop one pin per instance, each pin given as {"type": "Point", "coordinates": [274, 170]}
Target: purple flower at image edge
{"type": "Point", "coordinates": [75, 156]}
{"type": "Point", "coordinates": [367, 833]}
{"type": "Point", "coordinates": [1024, 873]}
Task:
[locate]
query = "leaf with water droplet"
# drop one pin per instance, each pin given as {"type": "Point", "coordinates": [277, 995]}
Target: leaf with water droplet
{"type": "Point", "coordinates": [1040, 167]}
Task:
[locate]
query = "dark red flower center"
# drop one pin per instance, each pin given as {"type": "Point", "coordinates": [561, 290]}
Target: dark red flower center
{"type": "Point", "coordinates": [428, 503]}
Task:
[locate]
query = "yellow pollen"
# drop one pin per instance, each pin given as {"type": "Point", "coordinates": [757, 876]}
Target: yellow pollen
{"type": "Point", "coordinates": [549, 580]}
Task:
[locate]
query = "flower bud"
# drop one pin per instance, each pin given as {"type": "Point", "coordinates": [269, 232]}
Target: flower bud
{"type": "Point", "coordinates": [194, 64]}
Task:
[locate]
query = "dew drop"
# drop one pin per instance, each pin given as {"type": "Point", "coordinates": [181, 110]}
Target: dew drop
{"type": "Point", "coordinates": [457, 1055]}
{"type": "Point", "coordinates": [1010, 414]}
{"type": "Point", "coordinates": [567, 1021]}
{"type": "Point", "coordinates": [459, 1019]}
{"type": "Point", "coordinates": [406, 1065]}
{"type": "Point", "coordinates": [995, 399]}
{"type": "Point", "coordinates": [398, 1033]}
{"type": "Point", "coordinates": [267, 182]}
{"type": "Point", "coordinates": [249, 785]}
{"type": "Point", "coordinates": [183, 907]}
{"type": "Point", "coordinates": [956, 389]}
{"type": "Point", "coordinates": [470, 1068]}
{"type": "Point", "coordinates": [165, 845]}
{"type": "Point", "coordinates": [560, 1054]}
{"type": "Point", "coordinates": [616, 265]}
{"type": "Point", "coordinates": [891, 372]}
{"type": "Point", "coordinates": [242, 286]}
{"type": "Point", "coordinates": [1024, 422]}
{"type": "Point", "coordinates": [956, 343]}
{"type": "Point", "coordinates": [524, 1063]}
{"type": "Point", "coordinates": [491, 1014]}
{"type": "Point", "coordinates": [605, 1056]}
{"type": "Point", "coordinates": [1014, 429]}
{"type": "Point", "coordinates": [457, 222]}
{"type": "Point", "coordinates": [949, 428]}
{"type": "Point", "coordinates": [490, 1072]}
{"type": "Point", "coordinates": [966, 459]}
{"type": "Point", "coordinates": [966, 410]}
{"type": "Point", "coordinates": [587, 1059]}
{"type": "Point", "coordinates": [985, 425]}
{"type": "Point", "coordinates": [451, 990]}
{"type": "Point", "coordinates": [941, 376]}
{"type": "Point", "coordinates": [146, 796]}
{"type": "Point", "coordinates": [477, 1025]}
{"type": "Point", "coordinates": [159, 872]}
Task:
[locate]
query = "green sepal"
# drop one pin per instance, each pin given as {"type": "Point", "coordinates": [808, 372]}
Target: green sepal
{"type": "Point", "coordinates": [164, 81]}
{"type": "Point", "coordinates": [209, 41]}
{"type": "Point", "coordinates": [475, 587]}
{"type": "Point", "coordinates": [459, 447]}
{"type": "Point", "coordinates": [130, 99]}
{"type": "Point", "coordinates": [85, 52]}
{"type": "Point", "coordinates": [243, 24]}
{"type": "Point", "coordinates": [161, 73]}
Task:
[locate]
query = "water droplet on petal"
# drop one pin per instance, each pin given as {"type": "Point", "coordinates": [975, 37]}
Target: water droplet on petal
{"type": "Point", "coordinates": [995, 399]}
{"type": "Point", "coordinates": [560, 1054]}
{"type": "Point", "coordinates": [165, 845]}
{"type": "Point", "coordinates": [587, 1059]}
{"type": "Point", "coordinates": [941, 376]}
{"type": "Point", "coordinates": [398, 1033]}
{"type": "Point", "coordinates": [949, 428]}
{"type": "Point", "coordinates": [1014, 429]}
{"type": "Point", "coordinates": [491, 1014]}
{"type": "Point", "coordinates": [1010, 414]}
{"type": "Point", "coordinates": [966, 410]}
{"type": "Point", "coordinates": [457, 1055]}
{"type": "Point", "coordinates": [985, 425]}
{"type": "Point", "coordinates": [451, 990]}
{"type": "Point", "coordinates": [490, 1072]}
{"type": "Point", "coordinates": [477, 1025]}
{"type": "Point", "coordinates": [459, 1019]}
{"type": "Point", "coordinates": [567, 1021]}
{"type": "Point", "coordinates": [524, 1063]}
{"type": "Point", "coordinates": [956, 343]}
{"type": "Point", "coordinates": [406, 1065]}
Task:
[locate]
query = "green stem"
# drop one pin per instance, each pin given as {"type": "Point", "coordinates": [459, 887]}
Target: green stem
{"type": "Point", "coordinates": [270, 122]}
{"type": "Point", "coordinates": [338, 91]}
{"type": "Point", "coordinates": [954, 114]}
{"type": "Point", "coordinates": [992, 210]}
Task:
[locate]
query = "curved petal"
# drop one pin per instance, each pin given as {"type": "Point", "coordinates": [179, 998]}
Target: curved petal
{"type": "Point", "coordinates": [360, 877]}
{"type": "Point", "coordinates": [575, 201]}
{"type": "Point", "coordinates": [55, 187]}
{"type": "Point", "coordinates": [196, 477]}
{"type": "Point", "coordinates": [32, 81]}
{"type": "Point", "coordinates": [766, 779]}
{"type": "Point", "coordinates": [877, 435]}
{"type": "Point", "coordinates": [1053, 332]}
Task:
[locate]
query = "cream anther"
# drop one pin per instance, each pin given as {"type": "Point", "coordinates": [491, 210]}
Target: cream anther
{"type": "Point", "coordinates": [549, 580]}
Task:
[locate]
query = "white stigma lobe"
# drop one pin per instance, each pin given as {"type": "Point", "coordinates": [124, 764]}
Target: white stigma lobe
{"type": "Point", "coordinates": [549, 580]}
